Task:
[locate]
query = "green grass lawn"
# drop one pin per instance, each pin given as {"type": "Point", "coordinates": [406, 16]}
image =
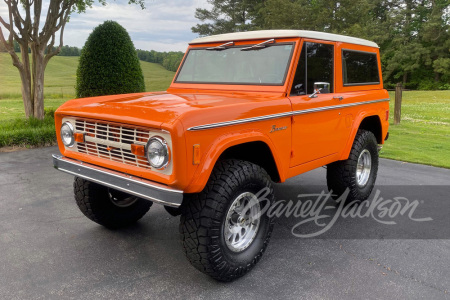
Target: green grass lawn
{"type": "Point", "coordinates": [423, 135]}
{"type": "Point", "coordinates": [60, 77]}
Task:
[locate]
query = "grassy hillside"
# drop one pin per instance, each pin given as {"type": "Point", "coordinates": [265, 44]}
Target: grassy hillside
{"type": "Point", "coordinates": [60, 77]}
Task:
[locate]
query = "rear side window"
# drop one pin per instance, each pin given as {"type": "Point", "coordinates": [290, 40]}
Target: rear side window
{"type": "Point", "coordinates": [359, 68]}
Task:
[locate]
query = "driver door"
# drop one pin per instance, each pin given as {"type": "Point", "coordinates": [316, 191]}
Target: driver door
{"type": "Point", "coordinates": [318, 128]}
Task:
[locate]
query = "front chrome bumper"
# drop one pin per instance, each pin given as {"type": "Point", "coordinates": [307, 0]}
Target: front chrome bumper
{"type": "Point", "coordinates": [129, 184]}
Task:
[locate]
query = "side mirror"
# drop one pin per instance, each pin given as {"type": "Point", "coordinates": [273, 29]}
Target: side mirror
{"type": "Point", "coordinates": [320, 88]}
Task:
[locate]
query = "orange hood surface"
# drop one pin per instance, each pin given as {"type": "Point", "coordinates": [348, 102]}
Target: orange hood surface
{"type": "Point", "coordinates": [158, 108]}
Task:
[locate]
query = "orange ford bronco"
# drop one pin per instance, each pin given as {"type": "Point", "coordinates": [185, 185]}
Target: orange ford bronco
{"type": "Point", "coordinates": [244, 110]}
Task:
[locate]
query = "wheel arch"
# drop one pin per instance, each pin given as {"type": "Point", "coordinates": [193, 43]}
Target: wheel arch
{"type": "Point", "coordinates": [252, 147]}
{"type": "Point", "coordinates": [256, 152]}
{"type": "Point", "coordinates": [370, 123]}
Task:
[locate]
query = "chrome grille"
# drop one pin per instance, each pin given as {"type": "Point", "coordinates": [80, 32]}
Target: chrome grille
{"type": "Point", "coordinates": [112, 141]}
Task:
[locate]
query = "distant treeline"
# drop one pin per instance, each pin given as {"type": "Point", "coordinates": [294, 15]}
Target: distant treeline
{"type": "Point", "coordinates": [65, 50]}
{"type": "Point", "coordinates": [69, 51]}
{"type": "Point", "coordinates": [169, 60]}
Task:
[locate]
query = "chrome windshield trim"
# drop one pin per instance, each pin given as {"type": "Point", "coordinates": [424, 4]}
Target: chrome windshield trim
{"type": "Point", "coordinates": [133, 185]}
{"type": "Point", "coordinates": [281, 115]}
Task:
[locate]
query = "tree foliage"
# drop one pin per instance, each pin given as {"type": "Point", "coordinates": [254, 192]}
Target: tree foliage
{"type": "Point", "coordinates": [413, 35]}
{"type": "Point", "coordinates": [109, 63]}
{"type": "Point", "coordinates": [169, 60]}
{"type": "Point", "coordinates": [69, 51]}
{"type": "Point", "coordinates": [227, 16]}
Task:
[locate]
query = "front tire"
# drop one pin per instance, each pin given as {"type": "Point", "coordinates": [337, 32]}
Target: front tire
{"type": "Point", "coordinates": [108, 207]}
{"type": "Point", "coordinates": [358, 173]}
{"type": "Point", "coordinates": [222, 234]}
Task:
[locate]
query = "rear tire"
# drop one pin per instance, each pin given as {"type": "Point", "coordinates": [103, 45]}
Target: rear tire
{"type": "Point", "coordinates": [220, 235]}
{"type": "Point", "coordinates": [108, 207]}
{"type": "Point", "coordinates": [358, 173]}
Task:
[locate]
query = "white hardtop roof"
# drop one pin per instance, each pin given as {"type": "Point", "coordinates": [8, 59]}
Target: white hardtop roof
{"type": "Point", "coordinates": [268, 34]}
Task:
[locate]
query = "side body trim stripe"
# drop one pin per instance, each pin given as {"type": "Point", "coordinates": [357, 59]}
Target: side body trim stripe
{"type": "Point", "coordinates": [281, 115]}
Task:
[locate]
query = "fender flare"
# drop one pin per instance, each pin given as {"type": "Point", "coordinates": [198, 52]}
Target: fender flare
{"type": "Point", "coordinates": [222, 143]}
{"type": "Point", "coordinates": [348, 147]}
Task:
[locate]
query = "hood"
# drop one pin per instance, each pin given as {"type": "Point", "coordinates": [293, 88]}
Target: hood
{"type": "Point", "coordinates": [155, 109]}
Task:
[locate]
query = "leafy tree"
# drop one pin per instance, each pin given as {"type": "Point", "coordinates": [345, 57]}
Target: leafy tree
{"type": "Point", "coordinates": [69, 51]}
{"type": "Point", "coordinates": [23, 25]}
{"type": "Point", "coordinates": [109, 63]}
{"type": "Point", "coordinates": [66, 51]}
{"type": "Point", "coordinates": [278, 14]}
{"type": "Point", "coordinates": [405, 51]}
{"type": "Point", "coordinates": [436, 37]}
{"type": "Point", "coordinates": [419, 54]}
{"type": "Point", "coordinates": [350, 17]}
{"type": "Point", "coordinates": [172, 61]}
{"type": "Point", "coordinates": [228, 16]}
{"type": "Point", "coordinates": [413, 35]}
{"type": "Point", "coordinates": [169, 60]}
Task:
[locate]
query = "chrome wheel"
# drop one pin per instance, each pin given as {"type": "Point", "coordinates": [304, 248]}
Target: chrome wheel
{"type": "Point", "coordinates": [363, 168]}
{"type": "Point", "coordinates": [242, 222]}
{"type": "Point", "coordinates": [121, 199]}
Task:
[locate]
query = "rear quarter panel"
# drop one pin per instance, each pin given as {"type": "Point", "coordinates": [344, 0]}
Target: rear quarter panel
{"type": "Point", "coordinates": [360, 93]}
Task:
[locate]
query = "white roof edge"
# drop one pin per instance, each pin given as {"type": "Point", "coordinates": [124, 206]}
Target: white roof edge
{"type": "Point", "coordinates": [268, 34]}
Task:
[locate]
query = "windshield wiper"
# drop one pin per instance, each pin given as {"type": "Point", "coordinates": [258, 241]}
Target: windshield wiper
{"type": "Point", "coordinates": [221, 47]}
{"type": "Point", "coordinates": [259, 46]}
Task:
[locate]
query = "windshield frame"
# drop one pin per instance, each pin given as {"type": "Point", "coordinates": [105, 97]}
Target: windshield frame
{"type": "Point", "coordinates": [240, 45]}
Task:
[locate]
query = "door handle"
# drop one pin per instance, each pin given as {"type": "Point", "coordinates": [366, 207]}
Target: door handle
{"type": "Point", "coordinates": [338, 97]}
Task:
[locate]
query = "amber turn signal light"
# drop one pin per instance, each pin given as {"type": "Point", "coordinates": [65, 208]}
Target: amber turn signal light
{"type": "Point", "coordinates": [196, 160]}
{"type": "Point", "coordinates": [79, 137]}
{"type": "Point", "coordinates": [138, 150]}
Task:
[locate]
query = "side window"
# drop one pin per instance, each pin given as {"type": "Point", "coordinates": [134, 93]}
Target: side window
{"type": "Point", "coordinates": [315, 65]}
{"type": "Point", "coordinates": [359, 68]}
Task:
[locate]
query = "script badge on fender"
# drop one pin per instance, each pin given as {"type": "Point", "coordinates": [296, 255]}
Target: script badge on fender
{"type": "Point", "coordinates": [275, 128]}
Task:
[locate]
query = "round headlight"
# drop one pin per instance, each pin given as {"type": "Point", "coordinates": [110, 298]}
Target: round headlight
{"type": "Point", "coordinates": [157, 152]}
{"type": "Point", "coordinates": [67, 134]}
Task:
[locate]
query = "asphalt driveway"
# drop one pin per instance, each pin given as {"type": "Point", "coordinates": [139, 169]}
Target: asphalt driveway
{"type": "Point", "coordinates": [49, 250]}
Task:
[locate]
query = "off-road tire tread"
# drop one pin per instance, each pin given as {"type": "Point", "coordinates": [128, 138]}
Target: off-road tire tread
{"type": "Point", "coordinates": [341, 174]}
{"type": "Point", "coordinates": [93, 201]}
{"type": "Point", "coordinates": [200, 240]}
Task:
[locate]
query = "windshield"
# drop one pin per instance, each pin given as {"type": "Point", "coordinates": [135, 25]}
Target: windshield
{"type": "Point", "coordinates": [259, 66]}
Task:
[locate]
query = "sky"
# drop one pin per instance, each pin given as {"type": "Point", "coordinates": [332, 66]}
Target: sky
{"type": "Point", "coordinates": [165, 25]}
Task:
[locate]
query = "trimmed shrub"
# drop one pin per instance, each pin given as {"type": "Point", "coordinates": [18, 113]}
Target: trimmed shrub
{"type": "Point", "coordinates": [108, 63]}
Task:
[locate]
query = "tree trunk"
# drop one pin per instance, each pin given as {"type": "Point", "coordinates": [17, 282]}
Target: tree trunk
{"type": "Point", "coordinates": [38, 82]}
{"type": "Point", "coordinates": [32, 81]}
{"type": "Point", "coordinates": [25, 77]}
{"type": "Point", "coordinates": [26, 94]}
{"type": "Point", "coordinates": [405, 77]}
{"type": "Point", "coordinates": [437, 77]}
